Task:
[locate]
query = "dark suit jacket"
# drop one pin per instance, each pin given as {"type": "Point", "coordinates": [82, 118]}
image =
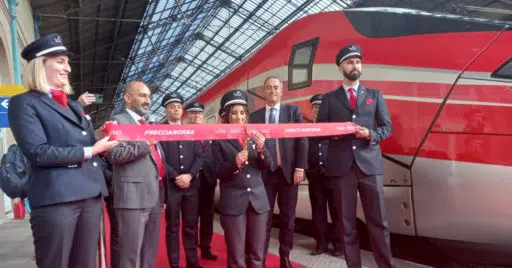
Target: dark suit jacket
{"type": "Point", "coordinates": [317, 154]}
{"type": "Point", "coordinates": [240, 186]}
{"type": "Point", "coordinates": [207, 173]}
{"type": "Point", "coordinates": [135, 182]}
{"type": "Point", "coordinates": [372, 113]}
{"type": "Point", "coordinates": [53, 139]}
{"type": "Point", "coordinates": [294, 151]}
{"type": "Point", "coordinates": [182, 157]}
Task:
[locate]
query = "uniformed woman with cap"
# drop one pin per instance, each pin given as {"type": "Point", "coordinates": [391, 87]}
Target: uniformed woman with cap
{"type": "Point", "coordinates": [243, 201]}
{"type": "Point", "coordinates": [66, 183]}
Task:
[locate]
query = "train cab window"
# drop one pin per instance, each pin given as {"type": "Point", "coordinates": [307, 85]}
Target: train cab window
{"type": "Point", "coordinates": [300, 67]}
{"type": "Point", "coordinates": [504, 71]}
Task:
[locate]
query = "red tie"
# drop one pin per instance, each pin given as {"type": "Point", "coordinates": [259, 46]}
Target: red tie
{"type": "Point", "coordinates": [242, 142]}
{"type": "Point", "coordinates": [353, 99]}
{"type": "Point", "coordinates": [59, 97]}
{"type": "Point", "coordinates": [156, 155]}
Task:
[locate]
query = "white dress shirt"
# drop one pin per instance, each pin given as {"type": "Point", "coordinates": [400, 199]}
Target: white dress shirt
{"type": "Point", "coordinates": [355, 87]}
{"type": "Point", "coordinates": [134, 115]}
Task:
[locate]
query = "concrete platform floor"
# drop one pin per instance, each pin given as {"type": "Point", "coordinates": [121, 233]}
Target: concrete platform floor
{"type": "Point", "coordinates": [16, 248]}
{"type": "Point", "coordinates": [17, 251]}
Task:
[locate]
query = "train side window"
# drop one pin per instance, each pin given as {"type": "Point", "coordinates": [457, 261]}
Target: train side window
{"type": "Point", "coordinates": [504, 71]}
{"type": "Point", "coordinates": [300, 67]}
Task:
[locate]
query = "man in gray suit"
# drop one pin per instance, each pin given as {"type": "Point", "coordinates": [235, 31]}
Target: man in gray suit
{"type": "Point", "coordinates": [137, 176]}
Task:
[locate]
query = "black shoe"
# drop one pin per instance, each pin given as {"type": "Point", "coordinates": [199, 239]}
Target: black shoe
{"type": "Point", "coordinates": [319, 250]}
{"type": "Point", "coordinates": [285, 262]}
{"type": "Point", "coordinates": [337, 253]}
{"type": "Point", "coordinates": [338, 250]}
{"type": "Point", "coordinates": [208, 255]}
{"type": "Point", "coordinates": [194, 265]}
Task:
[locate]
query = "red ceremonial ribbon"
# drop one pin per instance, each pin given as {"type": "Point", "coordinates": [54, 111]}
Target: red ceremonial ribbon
{"type": "Point", "coordinates": [164, 132]}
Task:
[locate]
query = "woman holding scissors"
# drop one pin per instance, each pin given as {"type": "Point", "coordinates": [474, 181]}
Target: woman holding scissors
{"type": "Point", "coordinates": [243, 204]}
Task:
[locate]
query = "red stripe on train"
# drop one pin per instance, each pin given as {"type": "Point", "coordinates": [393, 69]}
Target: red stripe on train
{"type": "Point", "coordinates": [415, 50]}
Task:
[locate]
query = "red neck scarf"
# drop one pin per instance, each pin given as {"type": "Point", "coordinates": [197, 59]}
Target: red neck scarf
{"type": "Point", "coordinates": [60, 97]}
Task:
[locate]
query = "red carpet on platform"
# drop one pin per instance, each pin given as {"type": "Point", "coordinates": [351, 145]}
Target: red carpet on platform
{"type": "Point", "coordinates": [218, 247]}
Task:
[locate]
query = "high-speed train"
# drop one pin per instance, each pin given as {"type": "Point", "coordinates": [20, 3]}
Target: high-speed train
{"type": "Point", "coordinates": [447, 83]}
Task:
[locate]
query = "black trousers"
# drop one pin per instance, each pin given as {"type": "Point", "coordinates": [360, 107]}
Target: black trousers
{"type": "Point", "coordinates": [286, 194]}
{"type": "Point", "coordinates": [206, 214]}
{"type": "Point", "coordinates": [66, 235]}
{"type": "Point", "coordinates": [371, 191]}
{"type": "Point", "coordinates": [322, 198]}
{"type": "Point", "coordinates": [181, 203]}
{"type": "Point", "coordinates": [114, 233]}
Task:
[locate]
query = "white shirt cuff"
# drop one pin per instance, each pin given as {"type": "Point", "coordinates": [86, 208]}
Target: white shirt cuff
{"type": "Point", "coordinates": [87, 153]}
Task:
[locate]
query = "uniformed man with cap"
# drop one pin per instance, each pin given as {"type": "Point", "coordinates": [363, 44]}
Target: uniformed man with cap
{"type": "Point", "coordinates": [320, 192]}
{"type": "Point", "coordinates": [208, 183]}
{"type": "Point", "coordinates": [183, 166]}
{"type": "Point", "coordinates": [354, 162]}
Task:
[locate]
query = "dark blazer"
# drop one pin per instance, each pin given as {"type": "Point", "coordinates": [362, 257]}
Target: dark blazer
{"type": "Point", "coordinates": [317, 154]}
{"type": "Point", "coordinates": [372, 113]}
{"type": "Point", "coordinates": [183, 157]}
{"type": "Point", "coordinates": [294, 151]}
{"type": "Point", "coordinates": [240, 186]}
{"type": "Point", "coordinates": [135, 182]}
{"type": "Point", "coordinates": [208, 177]}
{"type": "Point", "coordinates": [53, 139]}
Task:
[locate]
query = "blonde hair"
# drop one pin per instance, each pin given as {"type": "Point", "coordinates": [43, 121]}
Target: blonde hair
{"type": "Point", "coordinates": [34, 77]}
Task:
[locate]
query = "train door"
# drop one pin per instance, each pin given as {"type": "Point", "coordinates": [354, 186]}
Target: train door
{"type": "Point", "coordinates": [466, 196]}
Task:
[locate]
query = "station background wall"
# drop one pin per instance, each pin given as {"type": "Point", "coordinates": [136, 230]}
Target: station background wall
{"type": "Point", "coordinates": [26, 34]}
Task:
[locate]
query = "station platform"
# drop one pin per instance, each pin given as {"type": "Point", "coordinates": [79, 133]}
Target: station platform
{"type": "Point", "coordinates": [16, 249]}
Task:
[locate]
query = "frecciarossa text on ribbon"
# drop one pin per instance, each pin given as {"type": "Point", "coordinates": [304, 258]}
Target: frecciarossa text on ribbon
{"type": "Point", "coordinates": [164, 132]}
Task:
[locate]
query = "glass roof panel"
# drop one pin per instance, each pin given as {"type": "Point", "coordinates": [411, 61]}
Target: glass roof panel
{"type": "Point", "coordinates": [185, 45]}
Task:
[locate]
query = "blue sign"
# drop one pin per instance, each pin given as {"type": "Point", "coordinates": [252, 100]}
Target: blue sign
{"type": "Point", "coordinates": [4, 105]}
